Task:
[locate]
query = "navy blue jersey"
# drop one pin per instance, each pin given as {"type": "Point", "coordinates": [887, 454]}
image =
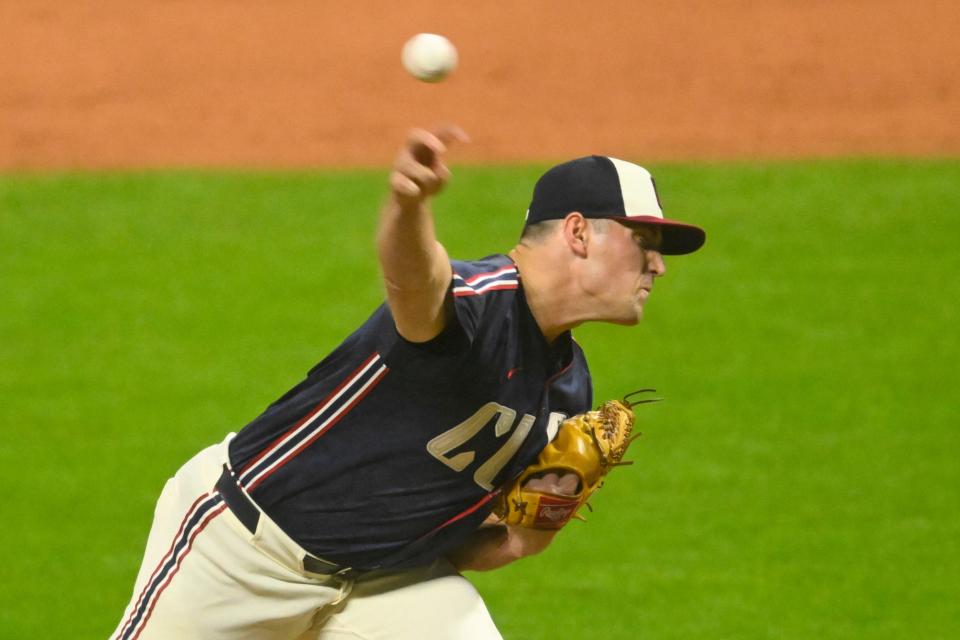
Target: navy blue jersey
{"type": "Point", "coordinates": [392, 451]}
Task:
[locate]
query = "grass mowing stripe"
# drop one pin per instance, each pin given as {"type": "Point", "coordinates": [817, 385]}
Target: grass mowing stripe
{"type": "Point", "coordinates": [800, 480]}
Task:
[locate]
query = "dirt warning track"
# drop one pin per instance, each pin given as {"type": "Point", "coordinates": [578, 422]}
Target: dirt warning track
{"type": "Point", "coordinates": [305, 83]}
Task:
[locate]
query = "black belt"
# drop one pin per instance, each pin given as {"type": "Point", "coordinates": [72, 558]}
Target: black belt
{"type": "Point", "coordinates": [249, 516]}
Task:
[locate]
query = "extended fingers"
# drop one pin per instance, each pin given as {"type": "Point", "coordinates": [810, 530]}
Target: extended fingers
{"type": "Point", "coordinates": [419, 169]}
{"type": "Point", "coordinates": [429, 146]}
{"type": "Point", "coordinates": [449, 133]}
{"type": "Point", "coordinates": [425, 146]}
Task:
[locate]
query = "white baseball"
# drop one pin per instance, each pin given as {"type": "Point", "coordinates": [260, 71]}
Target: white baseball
{"type": "Point", "coordinates": [429, 57]}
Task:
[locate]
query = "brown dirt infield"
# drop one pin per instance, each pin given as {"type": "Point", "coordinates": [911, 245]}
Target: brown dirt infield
{"type": "Point", "coordinates": [153, 83]}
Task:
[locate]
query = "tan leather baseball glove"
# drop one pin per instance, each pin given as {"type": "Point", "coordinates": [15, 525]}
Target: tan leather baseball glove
{"type": "Point", "coordinates": [586, 447]}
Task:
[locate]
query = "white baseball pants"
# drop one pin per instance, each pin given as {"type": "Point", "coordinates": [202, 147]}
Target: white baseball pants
{"type": "Point", "coordinates": [205, 576]}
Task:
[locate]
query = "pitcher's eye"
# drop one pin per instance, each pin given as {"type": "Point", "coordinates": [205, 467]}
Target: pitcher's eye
{"type": "Point", "coordinates": [647, 240]}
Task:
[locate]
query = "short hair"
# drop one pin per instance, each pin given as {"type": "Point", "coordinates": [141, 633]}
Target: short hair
{"type": "Point", "coordinates": [600, 225]}
{"type": "Point", "coordinates": [533, 233]}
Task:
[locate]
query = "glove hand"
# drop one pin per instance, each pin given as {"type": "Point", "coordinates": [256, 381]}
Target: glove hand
{"type": "Point", "coordinates": [558, 483]}
{"type": "Point", "coordinates": [548, 493]}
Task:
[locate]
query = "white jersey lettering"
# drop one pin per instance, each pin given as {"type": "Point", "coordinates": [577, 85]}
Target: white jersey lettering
{"type": "Point", "coordinates": [441, 446]}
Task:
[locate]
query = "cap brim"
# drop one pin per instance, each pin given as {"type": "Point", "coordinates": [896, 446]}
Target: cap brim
{"type": "Point", "coordinates": [679, 238]}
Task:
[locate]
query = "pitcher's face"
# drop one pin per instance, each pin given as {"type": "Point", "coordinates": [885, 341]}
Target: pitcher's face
{"type": "Point", "coordinates": [625, 262]}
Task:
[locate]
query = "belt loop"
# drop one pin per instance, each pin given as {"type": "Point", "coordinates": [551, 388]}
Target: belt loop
{"type": "Point", "coordinates": [345, 574]}
{"type": "Point", "coordinates": [239, 504]}
{"type": "Point", "coordinates": [344, 587]}
{"type": "Point", "coordinates": [312, 564]}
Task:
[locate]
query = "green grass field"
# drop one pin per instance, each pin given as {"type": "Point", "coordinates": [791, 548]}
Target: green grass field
{"type": "Point", "coordinates": [801, 481]}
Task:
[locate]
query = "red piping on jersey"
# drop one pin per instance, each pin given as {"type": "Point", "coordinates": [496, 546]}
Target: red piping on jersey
{"type": "Point", "coordinates": [483, 290]}
{"type": "Point", "coordinates": [460, 516]}
{"type": "Point", "coordinates": [290, 455]}
{"type": "Point", "coordinates": [346, 381]}
{"type": "Point", "coordinates": [490, 274]}
{"type": "Point", "coordinates": [546, 385]}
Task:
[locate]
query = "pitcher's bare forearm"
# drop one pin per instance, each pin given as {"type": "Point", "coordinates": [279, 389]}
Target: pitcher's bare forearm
{"type": "Point", "coordinates": [416, 268]}
{"type": "Point", "coordinates": [496, 545]}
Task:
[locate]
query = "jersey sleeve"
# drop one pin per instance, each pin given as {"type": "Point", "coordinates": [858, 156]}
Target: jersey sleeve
{"type": "Point", "coordinates": [476, 294]}
{"type": "Point", "coordinates": [477, 298]}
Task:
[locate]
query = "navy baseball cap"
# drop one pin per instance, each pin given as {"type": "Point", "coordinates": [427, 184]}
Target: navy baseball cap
{"type": "Point", "coordinates": [604, 187]}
